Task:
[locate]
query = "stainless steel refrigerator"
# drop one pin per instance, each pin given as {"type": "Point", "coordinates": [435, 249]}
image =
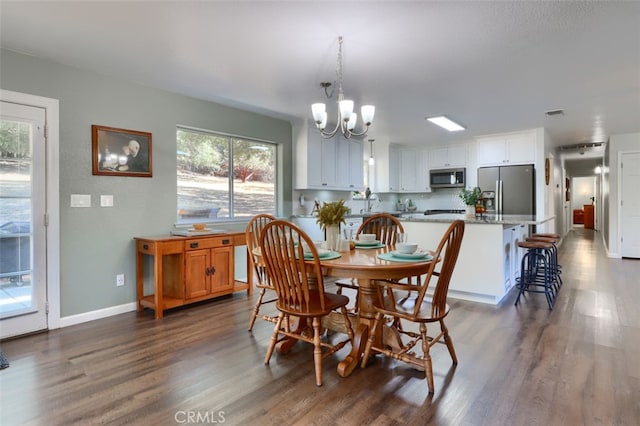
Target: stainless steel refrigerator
{"type": "Point", "coordinates": [513, 186]}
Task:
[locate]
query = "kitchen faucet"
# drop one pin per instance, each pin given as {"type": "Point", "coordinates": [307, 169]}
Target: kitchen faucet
{"type": "Point", "coordinates": [368, 199]}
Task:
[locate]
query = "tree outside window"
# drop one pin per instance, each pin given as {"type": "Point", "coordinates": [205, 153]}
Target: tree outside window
{"type": "Point", "coordinates": [207, 190]}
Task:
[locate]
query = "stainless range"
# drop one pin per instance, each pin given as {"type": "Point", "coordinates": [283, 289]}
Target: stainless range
{"type": "Point", "coordinates": [429, 212]}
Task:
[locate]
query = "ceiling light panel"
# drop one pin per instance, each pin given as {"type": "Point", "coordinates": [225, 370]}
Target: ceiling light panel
{"type": "Point", "coordinates": [446, 123]}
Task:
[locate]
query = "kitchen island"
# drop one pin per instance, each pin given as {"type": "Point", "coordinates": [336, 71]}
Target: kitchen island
{"type": "Point", "coordinates": [489, 259]}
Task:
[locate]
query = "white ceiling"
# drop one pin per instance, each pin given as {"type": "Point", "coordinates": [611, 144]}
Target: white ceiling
{"type": "Point", "coordinates": [492, 66]}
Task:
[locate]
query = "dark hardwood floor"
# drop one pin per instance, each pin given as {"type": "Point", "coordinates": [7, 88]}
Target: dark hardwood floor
{"type": "Point", "coordinates": [578, 364]}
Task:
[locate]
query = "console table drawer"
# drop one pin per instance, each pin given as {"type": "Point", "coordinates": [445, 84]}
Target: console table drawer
{"type": "Point", "coordinates": [205, 243]}
{"type": "Point", "coordinates": [147, 247]}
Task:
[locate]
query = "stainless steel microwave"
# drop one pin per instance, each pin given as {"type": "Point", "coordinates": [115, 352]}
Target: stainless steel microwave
{"type": "Point", "coordinates": [447, 178]}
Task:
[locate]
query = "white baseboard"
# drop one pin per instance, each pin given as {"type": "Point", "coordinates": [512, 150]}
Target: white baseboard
{"type": "Point", "coordinates": [475, 297]}
{"type": "Point", "coordinates": [94, 315]}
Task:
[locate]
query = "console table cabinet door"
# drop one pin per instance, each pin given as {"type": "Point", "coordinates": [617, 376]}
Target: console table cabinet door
{"type": "Point", "coordinates": [208, 271]}
{"type": "Point", "coordinates": [221, 268]}
{"type": "Point", "coordinates": [197, 280]}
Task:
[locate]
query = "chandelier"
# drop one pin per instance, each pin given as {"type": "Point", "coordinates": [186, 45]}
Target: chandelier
{"type": "Point", "coordinates": [346, 117]}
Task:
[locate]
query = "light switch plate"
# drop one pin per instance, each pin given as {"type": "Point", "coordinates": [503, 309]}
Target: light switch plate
{"type": "Point", "coordinates": [106, 201]}
{"type": "Point", "coordinates": [80, 200]}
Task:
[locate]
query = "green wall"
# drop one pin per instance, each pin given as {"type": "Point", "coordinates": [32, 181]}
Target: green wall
{"type": "Point", "coordinates": [96, 243]}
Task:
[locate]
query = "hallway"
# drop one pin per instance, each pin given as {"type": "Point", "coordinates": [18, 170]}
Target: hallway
{"type": "Point", "coordinates": [575, 365]}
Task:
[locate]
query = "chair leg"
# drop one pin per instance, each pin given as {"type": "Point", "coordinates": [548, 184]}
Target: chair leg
{"type": "Point", "coordinates": [449, 342]}
{"type": "Point", "coordinates": [256, 309]}
{"type": "Point", "coordinates": [428, 369]}
{"type": "Point", "coordinates": [317, 351]}
{"type": "Point", "coordinates": [274, 338]}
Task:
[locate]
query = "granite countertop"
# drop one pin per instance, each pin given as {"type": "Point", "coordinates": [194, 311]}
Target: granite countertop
{"type": "Point", "coordinates": [488, 219]}
{"type": "Point", "coordinates": [395, 213]}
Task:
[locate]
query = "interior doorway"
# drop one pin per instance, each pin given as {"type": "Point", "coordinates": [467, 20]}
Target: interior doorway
{"type": "Point", "coordinates": [583, 201]}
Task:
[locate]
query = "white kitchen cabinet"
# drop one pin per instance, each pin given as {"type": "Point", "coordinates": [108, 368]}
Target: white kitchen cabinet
{"type": "Point", "coordinates": [328, 163]}
{"type": "Point", "coordinates": [394, 168]}
{"type": "Point", "coordinates": [350, 164]}
{"type": "Point", "coordinates": [448, 156]}
{"type": "Point", "coordinates": [404, 169]}
{"type": "Point", "coordinates": [315, 161]}
{"type": "Point", "coordinates": [512, 253]}
{"type": "Point", "coordinates": [408, 170]}
{"type": "Point", "coordinates": [356, 167]}
{"type": "Point", "coordinates": [507, 149]}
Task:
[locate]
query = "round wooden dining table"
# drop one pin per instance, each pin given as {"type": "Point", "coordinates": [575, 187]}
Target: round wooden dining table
{"type": "Point", "coordinates": [364, 265]}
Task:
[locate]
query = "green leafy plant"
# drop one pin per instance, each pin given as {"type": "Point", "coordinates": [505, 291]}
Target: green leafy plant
{"type": "Point", "coordinates": [331, 213]}
{"type": "Point", "coordinates": [470, 196]}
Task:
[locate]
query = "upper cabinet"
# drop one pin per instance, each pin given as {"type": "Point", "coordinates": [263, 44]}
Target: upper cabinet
{"type": "Point", "coordinates": [448, 156]}
{"type": "Point", "coordinates": [350, 164]}
{"type": "Point", "coordinates": [507, 149]}
{"type": "Point", "coordinates": [394, 168]}
{"type": "Point", "coordinates": [406, 169]}
{"type": "Point", "coordinates": [333, 163]}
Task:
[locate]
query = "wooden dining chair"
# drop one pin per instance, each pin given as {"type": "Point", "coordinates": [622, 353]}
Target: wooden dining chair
{"type": "Point", "coordinates": [252, 234]}
{"type": "Point", "coordinates": [421, 310]}
{"type": "Point", "coordinates": [300, 288]}
{"type": "Point", "coordinates": [386, 228]}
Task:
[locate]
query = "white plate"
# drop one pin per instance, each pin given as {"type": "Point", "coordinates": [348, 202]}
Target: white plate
{"type": "Point", "coordinates": [322, 254]}
{"type": "Point", "coordinates": [417, 255]}
{"type": "Point", "coordinates": [367, 243]}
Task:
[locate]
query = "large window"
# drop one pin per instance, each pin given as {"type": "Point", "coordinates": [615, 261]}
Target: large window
{"type": "Point", "coordinates": [222, 177]}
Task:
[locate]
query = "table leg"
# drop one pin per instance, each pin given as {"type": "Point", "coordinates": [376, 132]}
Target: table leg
{"type": "Point", "coordinates": [368, 298]}
{"type": "Point", "coordinates": [139, 279]}
{"type": "Point", "coordinates": [157, 270]}
{"type": "Point", "coordinates": [347, 365]}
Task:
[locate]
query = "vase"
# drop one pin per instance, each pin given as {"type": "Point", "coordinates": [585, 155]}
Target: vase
{"type": "Point", "coordinates": [332, 236]}
{"type": "Point", "coordinates": [470, 212]}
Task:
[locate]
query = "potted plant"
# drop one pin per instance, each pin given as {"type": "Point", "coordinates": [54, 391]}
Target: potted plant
{"type": "Point", "coordinates": [471, 197]}
{"type": "Point", "coordinates": [329, 217]}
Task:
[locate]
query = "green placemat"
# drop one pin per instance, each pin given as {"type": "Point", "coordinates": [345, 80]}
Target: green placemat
{"type": "Point", "coordinates": [328, 256]}
{"type": "Point", "coordinates": [376, 246]}
{"type": "Point", "coordinates": [392, 258]}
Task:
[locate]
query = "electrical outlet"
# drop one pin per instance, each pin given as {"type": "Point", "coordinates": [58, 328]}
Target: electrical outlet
{"type": "Point", "coordinates": [119, 280]}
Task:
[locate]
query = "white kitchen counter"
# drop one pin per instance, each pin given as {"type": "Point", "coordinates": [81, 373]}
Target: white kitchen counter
{"type": "Point", "coordinates": [489, 258]}
{"type": "Point", "coordinates": [487, 219]}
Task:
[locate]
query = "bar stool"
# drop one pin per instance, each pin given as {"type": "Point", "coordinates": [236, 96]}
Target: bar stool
{"type": "Point", "coordinates": [536, 271]}
{"type": "Point", "coordinates": [556, 267]}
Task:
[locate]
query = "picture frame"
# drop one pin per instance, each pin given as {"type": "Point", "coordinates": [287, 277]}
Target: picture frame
{"type": "Point", "coordinates": [120, 152]}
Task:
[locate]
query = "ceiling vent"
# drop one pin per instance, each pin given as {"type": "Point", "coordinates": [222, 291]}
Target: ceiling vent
{"type": "Point", "coordinates": [582, 148]}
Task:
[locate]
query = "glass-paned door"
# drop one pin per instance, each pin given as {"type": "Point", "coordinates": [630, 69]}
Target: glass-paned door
{"type": "Point", "coordinates": [22, 220]}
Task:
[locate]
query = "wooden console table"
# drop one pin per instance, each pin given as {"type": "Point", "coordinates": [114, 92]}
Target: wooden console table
{"type": "Point", "coordinates": [188, 269]}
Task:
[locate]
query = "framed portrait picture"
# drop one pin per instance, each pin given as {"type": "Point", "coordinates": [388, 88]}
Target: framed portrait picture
{"type": "Point", "coordinates": [120, 152]}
